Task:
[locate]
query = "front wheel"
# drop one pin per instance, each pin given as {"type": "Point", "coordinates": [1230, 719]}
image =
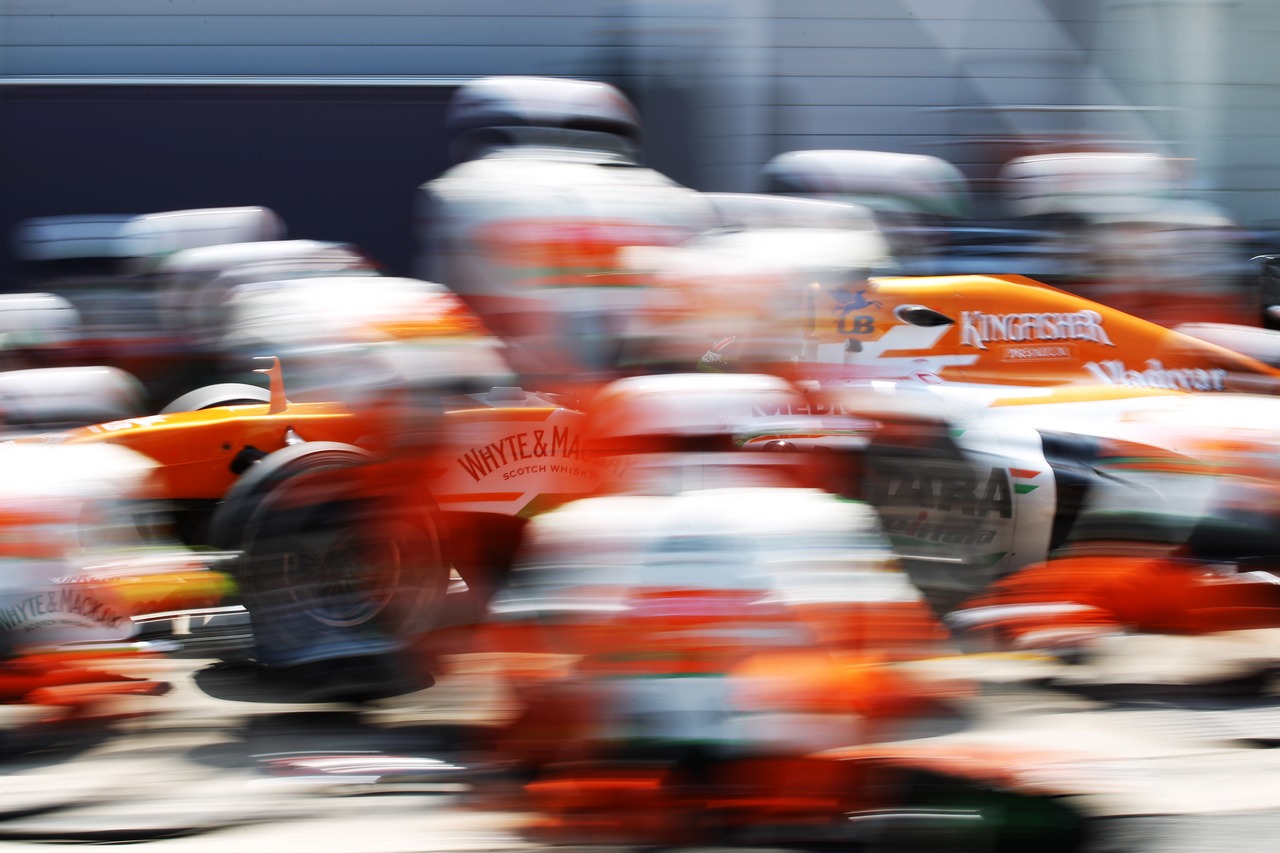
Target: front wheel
{"type": "Point", "coordinates": [336, 581]}
{"type": "Point", "coordinates": [228, 526]}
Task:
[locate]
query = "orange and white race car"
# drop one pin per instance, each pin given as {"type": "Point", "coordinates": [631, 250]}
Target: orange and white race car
{"type": "Point", "coordinates": [402, 454]}
{"type": "Point", "coordinates": [973, 480]}
{"type": "Point", "coordinates": [970, 410]}
{"type": "Point", "coordinates": [349, 524]}
{"type": "Point", "coordinates": [821, 317]}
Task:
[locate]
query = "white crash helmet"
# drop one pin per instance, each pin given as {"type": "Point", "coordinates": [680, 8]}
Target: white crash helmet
{"type": "Point", "coordinates": [706, 411]}
{"type": "Point", "coordinates": [881, 180]}
{"type": "Point", "coordinates": [496, 110]}
{"type": "Point", "coordinates": [668, 433]}
{"type": "Point", "coordinates": [1090, 183]}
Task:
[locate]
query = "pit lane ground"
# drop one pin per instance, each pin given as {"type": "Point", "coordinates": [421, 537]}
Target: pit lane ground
{"type": "Point", "coordinates": [225, 762]}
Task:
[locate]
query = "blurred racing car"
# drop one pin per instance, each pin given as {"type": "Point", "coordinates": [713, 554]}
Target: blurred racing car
{"type": "Point", "coordinates": [973, 480]}
{"type": "Point", "coordinates": [971, 410]}
{"type": "Point", "coordinates": [350, 517]}
{"type": "Point", "coordinates": [422, 457]}
{"type": "Point", "coordinates": [968, 409]}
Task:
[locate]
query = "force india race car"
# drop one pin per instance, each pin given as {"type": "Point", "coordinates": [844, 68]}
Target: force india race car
{"type": "Point", "coordinates": [347, 538]}
{"type": "Point", "coordinates": [920, 388]}
{"type": "Point", "coordinates": [980, 405]}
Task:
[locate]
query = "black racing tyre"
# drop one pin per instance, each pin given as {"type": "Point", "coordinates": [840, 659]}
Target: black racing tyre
{"type": "Point", "coordinates": [211, 396]}
{"type": "Point", "coordinates": [942, 814]}
{"type": "Point", "coordinates": [226, 527]}
{"type": "Point", "coordinates": [328, 575]}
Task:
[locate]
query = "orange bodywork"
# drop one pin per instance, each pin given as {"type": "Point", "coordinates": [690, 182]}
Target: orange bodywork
{"type": "Point", "coordinates": [74, 685]}
{"type": "Point", "coordinates": [195, 450]}
{"type": "Point", "coordinates": [788, 796]}
{"type": "Point", "coordinates": [509, 461]}
{"type": "Point", "coordinates": [994, 329]}
{"type": "Point", "coordinates": [1015, 330]}
{"type": "Point", "coordinates": [1075, 596]}
{"type": "Point", "coordinates": [836, 675]}
{"type": "Point", "coordinates": [170, 591]}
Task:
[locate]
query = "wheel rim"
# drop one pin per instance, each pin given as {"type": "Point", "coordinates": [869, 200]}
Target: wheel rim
{"type": "Point", "coordinates": [344, 565]}
{"type": "Point", "coordinates": [346, 582]}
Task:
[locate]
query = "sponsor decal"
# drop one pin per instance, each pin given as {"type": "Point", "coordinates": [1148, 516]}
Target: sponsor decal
{"type": "Point", "coordinates": [130, 423]}
{"type": "Point", "coordinates": [1156, 375]}
{"type": "Point", "coordinates": [946, 492]}
{"type": "Point", "coordinates": [65, 606]}
{"type": "Point", "coordinates": [923, 372]}
{"type": "Point", "coordinates": [525, 470]}
{"type": "Point", "coordinates": [1041, 352]}
{"type": "Point", "coordinates": [857, 324]}
{"type": "Point", "coordinates": [556, 450]}
{"type": "Point", "coordinates": [854, 300]}
{"type": "Point", "coordinates": [1024, 474]}
{"type": "Point", "coordinates": [954, 532]}
{"type": "Point", "coordinates": [847, 322]}
{"type": "Point", "coordinates": [977, 329]}
{"type": "Point", "coordinates": [717, 358]}
{"type": "Point", "coordinates": [814, 408]}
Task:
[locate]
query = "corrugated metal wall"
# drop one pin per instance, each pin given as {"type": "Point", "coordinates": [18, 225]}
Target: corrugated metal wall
{"type": "Point", "coordinates": [264, 37]}
{"type": "Point", "coordinates": [724, 84]}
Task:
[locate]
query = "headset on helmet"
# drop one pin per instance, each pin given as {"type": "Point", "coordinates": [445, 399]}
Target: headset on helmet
{"type": "Point", "coordinates": [483, 108]}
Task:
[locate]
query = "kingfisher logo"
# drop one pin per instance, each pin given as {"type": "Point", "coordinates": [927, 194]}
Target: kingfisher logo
{"type": "Point", "coordinates": [977, 329]}
{"type": "Point", "coordinates": [854, 300]}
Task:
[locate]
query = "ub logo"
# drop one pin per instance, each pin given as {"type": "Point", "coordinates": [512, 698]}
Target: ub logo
{"type": "Point", "coordinates": [847, 321]}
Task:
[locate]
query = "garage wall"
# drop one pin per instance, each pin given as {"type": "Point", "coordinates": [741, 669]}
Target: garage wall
{"type": "Point", "coordinates": [725, 84]}
{"type": "Point", "coordinates": [301, 36]}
